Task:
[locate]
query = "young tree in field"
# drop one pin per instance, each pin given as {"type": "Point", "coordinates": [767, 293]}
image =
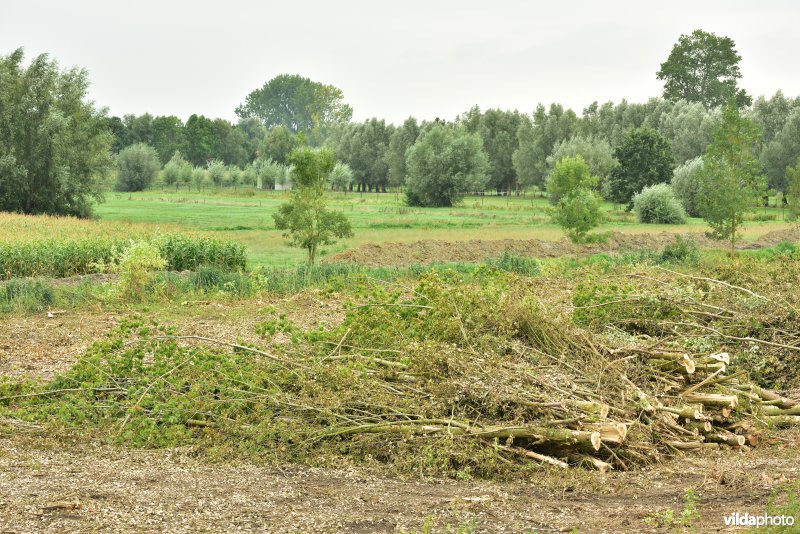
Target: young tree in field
{"type": "Point", "coordinates": [200, 178]}
{"type": "Point", "coordinates": [644, 159]}
{"type": "Point", "coordinates": [341, 177]}
{"type": "Point", "coordinates": [703, 67]}
{"type": "Point", "coordinates": [732, 176]}
{"type": "Point", "coordinates": [444, 165]}
{"type": "Point", "coordinates": [54, 144]}
{"type": "Point", "coordinates": [577, 213]}
{"type": "Point", "coordinates": [137, 167]}
{"type": "Point", "coordinates": [793, 194]}
{"type": "Point", "coordinates": [568, 175]}
{"type": "Point", "coordinates": [176, 171]}
{"type": "Point", "coordinates": [305, 219]}
{"type": "Point", "coordinates": [216, 172]}
{"type": "Point", "coordinates": [596, 152]}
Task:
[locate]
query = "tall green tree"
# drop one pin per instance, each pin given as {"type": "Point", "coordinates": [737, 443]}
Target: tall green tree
{"type": "Point", "coordinates": [363, 146]}
{"type": "Point", "coordinates": [703, 67]}
{"type": "Point", "coordinates": [645, 158]}
{"type": "Point", "coordinates": [279, 142]}
{"type": "Point", "coordinates": [536, 137]}
{"type": "Point", "coordinates": [54, 144]}
{"type": "Point", "coordinates": [298, 103]}
{"type": "Point", "coordinates": [402, 139]}
{"type": "Point", "coordinates": [444, 165]}
{"type": "Point", "coordinates": [782, 151]}
{"type": "Point", "coordinates": [732, 175]}
{"type": "Point", "coordinates": [498, 130]}
{"type": "Point", "coordinates": [305, 219]}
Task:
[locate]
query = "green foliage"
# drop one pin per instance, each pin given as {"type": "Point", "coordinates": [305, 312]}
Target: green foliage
{"type": "Point", "coordinates": [278, 143]}
{"type": "Point", "coordinates": [644, 159]}
{"type": "Point", "coordinates": [177, 171]}
{"type": "Point", "coordinates": [297, 103]}
{"type": "Point", "coordinates": [782, 152]}
{"type": "Point", "coordinates": [732, 176]}
{"type": "Point", "coordinates": [63, 258]}
{"type": "Point", "coordinates": [305, 219]}
{"type": "Point", "coordinates": [687, 182]}
{"type": "Point", "coordinates": [341, 177]}
{"type": "Point", "coordinates": [537, 136]}
{"type": "Point", "coordinates": [26, 295]}
{"type": "Point", "coordinates": [498, 130]}
{"type": "Point", "coordinates": [215, 170]}
{"type": "Point", "coordinates": [677, 523]}
{"type": "Point", "coordinates": [569, 175]}
{"type": "Point", "coordinates": [514, 263]}
{"type": "Point", "coordinates": [444, 165]}
{"type": "Point", "coordinates": [596, 152]}
{"type": "Point", "coordinates": [657, 204]}
{"type": "Point", "coordinates": [597, 304]}
{"type": "Point", "coordinates": [363, 147]}
{"type": "Point", "coordinates": [704, 68]}
{"type": "Point", "coordinates": [135, 266]}
{"type": "Point", "coordinates": [577, 213]}
{"type": "Point", "coordinates": [137, 167]}
{"type": "Point", "coordinates": [793, 193]}
{"type": "Point", "coordinates": [54, 144]}
{"type": "Point", "coordinates": [683, 250]}
{"type": "Point", "coordinates": [402, 139]}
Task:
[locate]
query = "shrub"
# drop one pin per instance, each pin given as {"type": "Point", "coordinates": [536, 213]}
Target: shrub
{"type": "Point", "coordinates": [684, 249]}
{"type": "Point", "coordinates": [136, 265]}
{"type": "Point", "coordinates": [687, 183]}
{"type": "Point", "coordinates": [657, 205]}
{"type": "Point", "coordinates": [514, 263]}
{"type": "Point", "coordinates": [137, 167]}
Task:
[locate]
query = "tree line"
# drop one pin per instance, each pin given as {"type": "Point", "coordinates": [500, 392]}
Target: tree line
{"type": "Point", "coordinates": [45, 109]}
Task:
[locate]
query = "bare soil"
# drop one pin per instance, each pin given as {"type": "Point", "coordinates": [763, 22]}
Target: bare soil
{"type": "Point", "coordinates": [430, 251]}
{"type": "Point", "coordinates": [80, 488]}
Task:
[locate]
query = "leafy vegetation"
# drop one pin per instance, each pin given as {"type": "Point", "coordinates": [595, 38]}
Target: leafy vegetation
{"type": "Point", "coordinates": [657, 204]}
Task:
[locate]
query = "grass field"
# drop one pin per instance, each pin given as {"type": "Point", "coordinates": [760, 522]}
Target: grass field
{"type": "Point", "coordinates": [376, 218]}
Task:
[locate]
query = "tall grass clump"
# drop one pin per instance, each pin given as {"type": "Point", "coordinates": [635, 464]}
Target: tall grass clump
{"type": "Point", "coordinates": [26, 295]}
{"type": "Point", "coordinates": [64, 258]}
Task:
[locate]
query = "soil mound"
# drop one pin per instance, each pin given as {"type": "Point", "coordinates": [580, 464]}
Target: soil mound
{"type": "Point", "coordinates": [472, 251]}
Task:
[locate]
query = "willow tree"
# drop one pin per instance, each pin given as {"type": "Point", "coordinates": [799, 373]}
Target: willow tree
{"type": "Point", "coordinates": [54, 143]}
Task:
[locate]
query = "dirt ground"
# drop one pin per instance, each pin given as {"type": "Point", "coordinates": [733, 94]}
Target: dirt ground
{"type": "Point", "coordinates": [75, 486]}
{"type": "Point", "coordinates": [89, 488]}
{"type": "Point", "coordinates": [430, 251]}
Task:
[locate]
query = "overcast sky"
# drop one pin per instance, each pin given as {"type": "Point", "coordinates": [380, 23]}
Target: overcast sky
{"type": "Point", "coordinates": [422, 58]}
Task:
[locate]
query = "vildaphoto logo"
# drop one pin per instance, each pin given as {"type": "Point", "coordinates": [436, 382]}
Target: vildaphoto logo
{"type": "Point", "coordinates": [749, 520]}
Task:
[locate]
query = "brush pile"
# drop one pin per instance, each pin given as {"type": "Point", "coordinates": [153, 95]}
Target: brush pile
{"type": "Point", "coordinates": [479, 376]}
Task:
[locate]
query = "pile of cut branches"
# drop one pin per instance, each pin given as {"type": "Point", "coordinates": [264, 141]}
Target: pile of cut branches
{"type": "Point", "coordinates": [444, 376]}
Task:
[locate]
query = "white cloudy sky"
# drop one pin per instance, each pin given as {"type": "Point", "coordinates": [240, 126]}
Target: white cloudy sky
{"type": "Point", "coordinates": [422, 58]}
